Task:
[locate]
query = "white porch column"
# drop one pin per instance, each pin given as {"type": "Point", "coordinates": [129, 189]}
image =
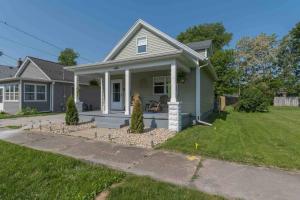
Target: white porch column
{"type": "Point", "coordinates": [127, 92]}
{"type": "Point", "coordinates": [198, 109]}
{"type": "Point", "coordinates": [174, 122]}
{"type": "Point", "coordinates": [76, 88]}
{"type": "Point", "coordinates": [173, 82]}
{"type": "Point", "coordinates": [76, 93]}
{"type": "Point", "coordinates": [107, 93]}
{"type": "Point", "coordinates": [102, 107]}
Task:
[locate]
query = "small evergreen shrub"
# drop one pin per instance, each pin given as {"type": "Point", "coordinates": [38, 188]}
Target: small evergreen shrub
{"type": "Point", "coordinates": [137, 119]}
{"type": "Point", "coordinates": [71, 117]}
{"type": "Point", "coordinates": [253, 100]}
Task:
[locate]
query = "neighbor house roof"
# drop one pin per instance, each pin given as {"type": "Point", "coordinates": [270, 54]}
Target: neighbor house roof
{"type": "Point", "coordinates": [7, 71]}
{"type": "Point", "coordinates": [199, 45]}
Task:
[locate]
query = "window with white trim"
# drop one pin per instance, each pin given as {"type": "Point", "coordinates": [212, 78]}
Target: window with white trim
{"type": "Point", "coordinates": [141, 44]}
{"type": "Point", "coordinates": [12, 92]}
{"type": "Point", "coordinates": [35, 92]}
{"type": "Point", "coordinates": [161, 85]}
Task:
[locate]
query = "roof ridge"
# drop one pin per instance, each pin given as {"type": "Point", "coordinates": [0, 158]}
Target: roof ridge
{"type": "Point", "coordinates": [45, 60]}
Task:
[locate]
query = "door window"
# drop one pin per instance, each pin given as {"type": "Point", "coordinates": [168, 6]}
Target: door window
{"type": "Point", "coordinates": [116, 92]}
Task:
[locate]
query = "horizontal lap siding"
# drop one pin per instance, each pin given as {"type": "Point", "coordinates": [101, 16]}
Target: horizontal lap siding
{"type": "Point", "coordinates": [33, 72]}
{"type": "Point", "coordinates": [155, 45]}
{"type": "Point", "coordinates": [207, 93]}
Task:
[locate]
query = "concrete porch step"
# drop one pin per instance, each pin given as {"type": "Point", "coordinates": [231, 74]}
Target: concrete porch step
{"type": "Point", "coordinates": [101, 124]}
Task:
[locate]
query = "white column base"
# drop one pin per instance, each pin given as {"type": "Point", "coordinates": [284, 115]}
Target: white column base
{"type": "Point", "coordinates": [175, 123]}
{"type": "Point", "coordinates": [79, 106]}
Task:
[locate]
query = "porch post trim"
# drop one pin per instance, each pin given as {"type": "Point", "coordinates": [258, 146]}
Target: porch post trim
{"type": "Point", "coordinates": [101, 95]}
{"type": "Point", "coordinates": [173, 82]}
{"type": "Point", "coordinates": [107, 93]}
{"type": "Point", "coordinates": [76, 88]}
{"type": "Point", "coordinates": [198, 90]}
{"type": "Point", "coordinates": [127, 92]}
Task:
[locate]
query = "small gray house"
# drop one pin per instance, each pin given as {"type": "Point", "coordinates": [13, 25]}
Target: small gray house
{"type": "Point", "coordinates": [43, 85]}
{"type": "Point", "coordinates": [174, 80]}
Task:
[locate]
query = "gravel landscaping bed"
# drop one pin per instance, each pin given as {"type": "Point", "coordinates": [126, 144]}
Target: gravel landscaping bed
{"type": "Point", "coordinates": [148, 139]}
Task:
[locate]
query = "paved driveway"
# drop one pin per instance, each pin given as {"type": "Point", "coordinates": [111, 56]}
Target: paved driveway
{"type": "Point", "coordinates": [217, 177]}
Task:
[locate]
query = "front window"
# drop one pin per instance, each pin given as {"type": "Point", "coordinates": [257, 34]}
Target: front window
{"type": "Point", "coordinates": [33, 92]}
{"type": "Point", "coordinates": [12, 92]}
{"type": "Point", "coordinates": [142, 45]}
{"type": "Point", "coordinates": [161, 85]}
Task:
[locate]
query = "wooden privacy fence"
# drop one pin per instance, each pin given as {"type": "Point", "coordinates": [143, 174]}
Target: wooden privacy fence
{"type": "Point", "coordinates": [286, 101]}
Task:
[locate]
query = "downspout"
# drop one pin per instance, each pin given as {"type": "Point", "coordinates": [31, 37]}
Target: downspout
{"type": "Point", "coordinates": [199, 120]}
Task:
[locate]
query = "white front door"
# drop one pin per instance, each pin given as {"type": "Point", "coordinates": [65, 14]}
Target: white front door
{"type": "Point", "coordinates": [116, 94]}
{"type": "Point", "coordinates": [1, 98]}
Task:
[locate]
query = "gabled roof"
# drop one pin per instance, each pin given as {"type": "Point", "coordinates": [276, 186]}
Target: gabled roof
{"type": "Point", "coordinates": [200, 45]}
{"type": "Point", "coordinates": [140, 23]}
{"type": "Point", "coordinates": [52, 70]}
{"type": "Point", "coordinates": [7, 71]}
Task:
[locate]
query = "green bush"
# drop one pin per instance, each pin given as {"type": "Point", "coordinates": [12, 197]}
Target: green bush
{"type": "Point", "coordinates": [137, 119]}
{"type": "Point", "coordinates": [252, 100]}
{"type": "Point", "coordinates": [71, 117]}
{"type": "Point", "coordinates": [28, 111]}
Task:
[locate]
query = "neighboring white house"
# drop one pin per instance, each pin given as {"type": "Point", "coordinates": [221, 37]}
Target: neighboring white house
{"type": "Point", "coordinates": [151, 63]}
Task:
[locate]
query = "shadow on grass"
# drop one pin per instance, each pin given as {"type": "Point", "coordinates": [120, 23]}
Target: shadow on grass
{"type": "Point", "coordinates": [217, 115]}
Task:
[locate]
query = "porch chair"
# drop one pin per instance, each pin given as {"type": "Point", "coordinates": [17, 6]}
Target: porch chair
{"type": "Point", "coordinates": [160, 105]}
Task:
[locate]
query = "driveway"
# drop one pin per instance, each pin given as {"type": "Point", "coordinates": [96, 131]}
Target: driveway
{"type": "Point", "coordinates": [217, 177]}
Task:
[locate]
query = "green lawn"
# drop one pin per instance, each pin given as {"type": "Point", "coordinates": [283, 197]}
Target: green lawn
{"type": "Point", "coordinates": [271, 139]}
{"type": "Point", "coordinates": [31, 174]}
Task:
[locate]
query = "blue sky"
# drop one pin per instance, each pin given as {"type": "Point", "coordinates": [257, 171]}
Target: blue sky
{"type": "Point", "coordinates": [93, 27]}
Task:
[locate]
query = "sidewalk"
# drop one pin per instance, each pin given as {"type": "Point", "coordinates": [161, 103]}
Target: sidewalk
{"type": "Point", "coordinates": [214, 176]}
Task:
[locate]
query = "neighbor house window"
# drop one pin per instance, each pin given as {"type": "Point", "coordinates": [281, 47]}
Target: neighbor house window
{"type": "Point", "coordinates": [141, 45]}
{"type": "Point", "coordinates": [161, 85]}
{"type": "Point", "coordinates": [12, 92]}
{"type": "Point", "coordinates": [35, 92]}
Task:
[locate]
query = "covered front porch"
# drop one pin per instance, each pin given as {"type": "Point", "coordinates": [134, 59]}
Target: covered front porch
{"type": "Point", "coordinates": [153, 80]}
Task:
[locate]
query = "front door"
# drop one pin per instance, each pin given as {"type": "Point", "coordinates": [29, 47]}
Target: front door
{"type": "Point", "coordinates": [116, 94]}
{"type": "Point", "coordinates": [1, 99]}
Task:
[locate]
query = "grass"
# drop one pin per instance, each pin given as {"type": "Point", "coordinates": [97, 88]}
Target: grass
{"type": "Point", "coordinates": [13, 126]}
{"type": "Point", "coordinates": [136, 188]}
{"type": "Point", "coordinates": [8, 116]}
{"type": "Point", "coordinates": [270, 139]}
{"type": "Point", "coordinates": [32, 174]}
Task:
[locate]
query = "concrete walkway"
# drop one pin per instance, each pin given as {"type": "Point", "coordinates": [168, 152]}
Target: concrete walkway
{"type": "Point", "coordinates": [214, 176]}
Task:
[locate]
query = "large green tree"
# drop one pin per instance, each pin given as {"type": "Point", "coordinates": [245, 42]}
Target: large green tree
{"type": "Point", "coordinates": [222, 60]}
{"type": "Point", "coordinates": [213, 31]}
{"type": "Point", "coordinates": [68, 57]}
{"type": "Point", "coordinates": [289, 61]}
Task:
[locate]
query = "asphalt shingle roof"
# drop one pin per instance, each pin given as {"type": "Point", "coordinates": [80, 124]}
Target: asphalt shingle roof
{"type": "Point", "coordinates": [7, 71]}
{"type": "Point", "coordinates": [200, 45]}
{"type": "Point", "coordinates": [54, 70]}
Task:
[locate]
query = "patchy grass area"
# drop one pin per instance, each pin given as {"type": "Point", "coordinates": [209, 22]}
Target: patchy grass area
{"type": "Point", "coordinates": [271, 139]}
{"type": "Point", "coordinates": [32, 174]}
{"type": "Point", "coordinates": [136, 188]}
{"type": "Point", "coordinates": [13, 126]}
{"type": "Point", "coordinates": [8, 116]}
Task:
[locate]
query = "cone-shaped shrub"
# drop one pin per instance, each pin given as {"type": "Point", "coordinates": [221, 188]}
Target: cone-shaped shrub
{"type": "Point", "coordinates": [71, 113]}
{"type": "Point", "coordinates": [137, 119]}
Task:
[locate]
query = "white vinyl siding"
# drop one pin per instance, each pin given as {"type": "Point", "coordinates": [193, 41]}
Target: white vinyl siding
{"type": "Point", "coordinates": [155, 45]}
{"type": "Point", "coordinates": [35, 92]}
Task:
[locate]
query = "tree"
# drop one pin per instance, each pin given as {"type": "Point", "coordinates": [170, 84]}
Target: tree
{"type": "Point", "coordinates": [68, 57]}
{"type": "Point", "coordinates": [213, 31]}
{"type": "Point", "coordinates": [256, 57]}
{"type": "Point", "coordinates": [289, 61]}
{"type": "Point", "coordinates": [71, 117]}
{"type": "Point", "coordinates": [137, 119]}
{"type": "Point", "coordinates": [222, 59]}
{"type": "Point", "coordinates": [223, 62]}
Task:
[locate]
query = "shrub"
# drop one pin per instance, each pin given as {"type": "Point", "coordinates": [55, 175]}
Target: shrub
{"type": "Point", "coordinates": [71, 117]}
{"type": "Point", "coordinates": [28, 111]}
{"type": "Point", "coordinates": [137, 119]}
{"type": "Point", "coordinates": [252, 100]}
